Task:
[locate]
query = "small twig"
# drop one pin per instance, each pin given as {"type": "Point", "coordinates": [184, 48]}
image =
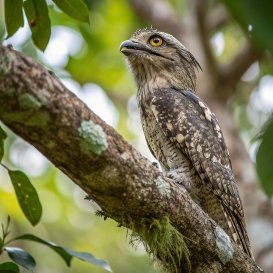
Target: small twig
{"type": "Point", "coordinates": [5, 233]}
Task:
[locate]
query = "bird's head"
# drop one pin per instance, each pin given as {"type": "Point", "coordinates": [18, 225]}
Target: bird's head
{"type": "Point", "coordinates": [159, 57]}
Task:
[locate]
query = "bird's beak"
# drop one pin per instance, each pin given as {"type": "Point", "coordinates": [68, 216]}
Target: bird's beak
{"type": "Point", "coordinates": [129, 46]}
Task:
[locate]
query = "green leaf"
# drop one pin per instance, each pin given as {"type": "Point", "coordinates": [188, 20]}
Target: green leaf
{"type": "Point", "coordinates": [76, 9]}
{"type": "Point", "coordinates": [87, 257]}
{"type": "Point", "coordinates": [3, 135]}
{"type": "Point", "coordinates": [256, 19]}
{"type": "Point", "coordinates": [9, 267]}
{"type": "Point", "coordinates": [67, 257]}
{"type": "Point", "coordinates": [39, 22]}
{"type": "Point", "coordinates": [27, 196]}
{"type": "Point", "coordinates": [21, 257]}
{"type": "Point", "coordinates": [13, 15]}
{"type": "Point", "coordinates": [66, 253]}
{"type": "Point", "coordinates": [264, 159]}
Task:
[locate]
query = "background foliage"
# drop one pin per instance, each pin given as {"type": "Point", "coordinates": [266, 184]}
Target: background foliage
{"type": "Point", "coordinates": [82, 48]}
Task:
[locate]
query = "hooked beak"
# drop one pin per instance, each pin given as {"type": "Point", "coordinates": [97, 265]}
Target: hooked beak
{"type": "Point", "coordinates": [129, 46]}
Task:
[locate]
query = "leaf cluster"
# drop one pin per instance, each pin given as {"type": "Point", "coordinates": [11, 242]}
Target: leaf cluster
{"type": "Point", "coordinates": [38, 19]}
{"type": "Point", "coordinates": [255, 19]}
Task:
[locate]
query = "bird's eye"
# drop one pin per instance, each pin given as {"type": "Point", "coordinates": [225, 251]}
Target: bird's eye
{"type": "Point", "coordinates": [155, 41]}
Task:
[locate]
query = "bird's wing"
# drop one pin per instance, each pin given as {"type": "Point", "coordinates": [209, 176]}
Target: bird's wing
{"type": "Point", "coordinates": [191, 126]}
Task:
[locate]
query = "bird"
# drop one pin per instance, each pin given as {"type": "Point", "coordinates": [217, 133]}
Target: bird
{"type": "Point", "coordinates": [181, 131]}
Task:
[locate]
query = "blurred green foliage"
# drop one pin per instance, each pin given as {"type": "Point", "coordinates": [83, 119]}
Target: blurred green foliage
{"type": "Point", "coordinates": [264, 159]}
{"type": "Point", "coordinates": [255, 18]}
{"type": "Point", "coordinates": [99, 58]}
{"type": "Point", "coordinates": [76, 9]}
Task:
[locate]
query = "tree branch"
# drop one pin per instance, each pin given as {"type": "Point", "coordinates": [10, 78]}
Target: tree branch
{"type": "Point", "coordinates": [127, 187]}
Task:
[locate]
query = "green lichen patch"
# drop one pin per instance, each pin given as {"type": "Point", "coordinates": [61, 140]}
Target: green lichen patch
{"type": "Point", "coordinates": [30, 118]}
{"type": "Point", "coordinates": [28, 102]}
{"type": "Point", "coordinates": [162, 240]}
{"type": "Point", "coordinates": [163, 187]}
{"type": "Point", "coordinates": [39, 119]}
{"type": "Point", "coordinates": [93, 138]}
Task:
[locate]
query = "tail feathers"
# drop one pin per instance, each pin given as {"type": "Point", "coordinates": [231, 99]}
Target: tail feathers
{"type": "Point", "coordinates": [238, 230]}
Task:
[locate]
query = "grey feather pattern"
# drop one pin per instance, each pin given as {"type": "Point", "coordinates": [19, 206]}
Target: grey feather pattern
{"type": "Point", "coordinates": [204, 145]}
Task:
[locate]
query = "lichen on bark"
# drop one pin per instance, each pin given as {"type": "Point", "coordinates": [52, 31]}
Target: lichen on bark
{"type": "Point", "coordinates": [163, 187]}
{"type": "Point", "coordinates": [93, 138]}
{"type": "Point", "coordinates": [29, 102]}
{"type": "Point", "coordinates": [224, 248]}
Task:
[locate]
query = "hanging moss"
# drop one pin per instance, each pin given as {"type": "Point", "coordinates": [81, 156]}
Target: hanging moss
{"type": "Point", "coordinates": [163, 241]}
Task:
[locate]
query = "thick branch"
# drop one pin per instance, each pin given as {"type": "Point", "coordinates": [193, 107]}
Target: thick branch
{"type": "Point", "coordinates": [128, 188]}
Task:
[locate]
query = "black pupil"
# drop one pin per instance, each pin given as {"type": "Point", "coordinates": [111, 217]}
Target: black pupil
{"type": "Point", "coordinates": [156, 40]}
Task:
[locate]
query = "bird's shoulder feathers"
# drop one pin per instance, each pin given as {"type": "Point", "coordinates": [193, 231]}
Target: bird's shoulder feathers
{"type": "Point", "coordinates": [190, 125]}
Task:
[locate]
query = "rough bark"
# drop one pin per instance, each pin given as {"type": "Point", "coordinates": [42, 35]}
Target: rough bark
{"type": "Point", "coordinates": [127, 187]}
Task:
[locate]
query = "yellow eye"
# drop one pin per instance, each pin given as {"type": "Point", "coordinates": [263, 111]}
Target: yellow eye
{"type": "Point", "coordinates": [156, 41]}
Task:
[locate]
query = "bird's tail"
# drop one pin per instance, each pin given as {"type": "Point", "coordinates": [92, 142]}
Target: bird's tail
{"type": "Point", "coordinates": [237, 230]}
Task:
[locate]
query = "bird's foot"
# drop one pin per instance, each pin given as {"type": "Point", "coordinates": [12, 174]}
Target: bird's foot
{"type": "Point", "coordinates": [179, 178]}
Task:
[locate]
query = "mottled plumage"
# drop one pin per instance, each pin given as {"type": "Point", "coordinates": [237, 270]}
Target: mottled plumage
{"type": "Point", "coordinates": [181, 132]}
